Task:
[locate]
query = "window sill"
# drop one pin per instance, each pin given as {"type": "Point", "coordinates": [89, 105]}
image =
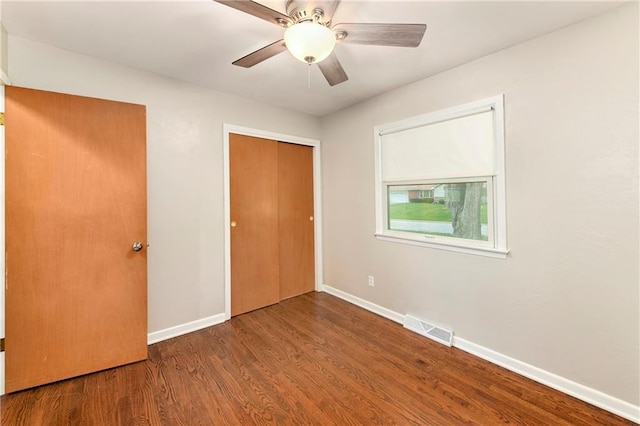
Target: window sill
{"type": "Point", "coordinates": [475, 250]}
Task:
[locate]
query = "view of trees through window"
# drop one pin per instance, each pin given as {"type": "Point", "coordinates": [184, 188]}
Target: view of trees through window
{"type": "Point", "coordinates": [445, 209]}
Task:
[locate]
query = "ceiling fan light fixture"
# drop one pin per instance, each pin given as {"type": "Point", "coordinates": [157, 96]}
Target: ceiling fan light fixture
{"type": "Point", "coordinates": [309, 41]}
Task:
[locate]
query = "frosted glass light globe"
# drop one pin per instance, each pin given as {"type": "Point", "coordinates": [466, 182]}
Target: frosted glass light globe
{"type": "Point", "coordinates": [309, 41]}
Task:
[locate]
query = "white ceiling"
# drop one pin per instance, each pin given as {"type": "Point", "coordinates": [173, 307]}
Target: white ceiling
{"type": "Point", "coordinates": [196, 41]}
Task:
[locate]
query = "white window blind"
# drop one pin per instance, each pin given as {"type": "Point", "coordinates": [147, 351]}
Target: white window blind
{"type": "Point", "coordinates": [454, 148]}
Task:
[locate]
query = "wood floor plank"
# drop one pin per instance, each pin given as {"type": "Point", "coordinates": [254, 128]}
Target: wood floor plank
{"type": "Point", "coordinates": [310, 360]}
{"type": "Point", "coordinates": [353, 376]}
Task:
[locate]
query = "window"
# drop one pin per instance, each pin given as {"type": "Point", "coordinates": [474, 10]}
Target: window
{"type": "Point", "coordinates": [440, 179]}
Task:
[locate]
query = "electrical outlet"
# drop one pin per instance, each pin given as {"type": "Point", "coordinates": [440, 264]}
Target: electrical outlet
{"type": "Point", "coordinates": [371, 281]}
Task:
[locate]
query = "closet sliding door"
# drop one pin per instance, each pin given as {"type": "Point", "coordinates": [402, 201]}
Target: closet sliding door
{"type": "Point", "coordinates": [295, 214]}
{"type": "Point", "coordinates": [272, 232]}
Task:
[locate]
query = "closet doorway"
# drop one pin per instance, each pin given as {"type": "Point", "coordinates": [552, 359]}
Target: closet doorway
{"type": "Point", "coordinates": [271, 221]}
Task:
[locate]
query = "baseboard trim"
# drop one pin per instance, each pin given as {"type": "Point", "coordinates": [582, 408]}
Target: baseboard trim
{"type": "Point", "coordinates": [372, 307]}
{"type": "Point", "coordinates": [178, 330]}
{"type": "Point", "coordinates": [584, 393]}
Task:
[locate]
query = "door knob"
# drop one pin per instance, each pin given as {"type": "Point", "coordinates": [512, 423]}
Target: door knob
{"type": "Point", "coordinates": [137, 246]}
{"type": "Point", "coordinates": [233, 224]}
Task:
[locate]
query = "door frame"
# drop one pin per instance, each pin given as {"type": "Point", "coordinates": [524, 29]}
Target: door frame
{"type": "Point", "coordinates": [2, 257]}
{"type": "Point", "coordinates": [317, 201]}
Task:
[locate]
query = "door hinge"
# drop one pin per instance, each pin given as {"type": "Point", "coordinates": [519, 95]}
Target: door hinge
{"type": "Point", "coordinates": [2, 345]}
{"type": "Point", "coordinates": [1, 118]}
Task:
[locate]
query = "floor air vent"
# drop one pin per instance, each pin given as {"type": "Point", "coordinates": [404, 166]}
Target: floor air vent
{"type": "Point", "coordinates": [428, 330]}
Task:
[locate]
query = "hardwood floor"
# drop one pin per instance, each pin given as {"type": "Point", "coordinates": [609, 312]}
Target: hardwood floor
{"type": "Point", "coordinates": [310, 360]}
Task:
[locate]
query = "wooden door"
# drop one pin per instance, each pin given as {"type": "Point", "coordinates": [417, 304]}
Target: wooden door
{"type": "Point", "coordinates": [75, 203]}
{"type": "Point", "coordinates": [253, 176]}
{"type": "Point", "coordinates": [272, 227]}
{"type": "Point", "coordinates": [296, 227]}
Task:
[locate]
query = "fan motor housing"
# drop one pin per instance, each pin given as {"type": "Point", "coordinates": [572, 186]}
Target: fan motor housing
{"type": "Point", "coordinates": [297, 10]}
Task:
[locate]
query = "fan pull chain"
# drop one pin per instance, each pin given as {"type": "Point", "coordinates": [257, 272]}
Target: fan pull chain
{"type": "Point", "coordinates": [309, 77]}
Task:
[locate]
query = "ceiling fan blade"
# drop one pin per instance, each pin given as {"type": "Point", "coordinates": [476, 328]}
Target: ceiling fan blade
{"type": "Point", "coordinates": [332, 70]}
{"type": "Point", "coordinates": [402, 35]}
{"type": "Point", "coordinates": [328, 7]}
{"type": "Point", "coordinates": [258, 10]}
{"type": "Point", "coordinates": [260, 55]}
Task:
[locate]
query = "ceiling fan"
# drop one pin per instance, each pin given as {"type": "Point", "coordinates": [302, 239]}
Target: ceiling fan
{"type": "Point", "coordinates": [311, 38]}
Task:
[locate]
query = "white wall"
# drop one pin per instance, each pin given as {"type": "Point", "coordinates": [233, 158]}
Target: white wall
{"type": "Point", "coordinates": [185, 167]}
{"type": "Point", "coordinates": [566, 299]}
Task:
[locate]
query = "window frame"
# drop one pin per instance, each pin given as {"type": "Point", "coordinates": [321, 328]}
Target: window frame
{"type": "Point", "coordinates": [496, 185]}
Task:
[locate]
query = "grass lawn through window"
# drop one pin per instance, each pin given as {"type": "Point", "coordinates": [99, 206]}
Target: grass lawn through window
{"type": "Point", "coordinates": [427, 211]}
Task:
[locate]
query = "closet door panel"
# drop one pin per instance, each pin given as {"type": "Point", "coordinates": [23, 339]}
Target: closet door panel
{"type": "Point", "coordinates": [253, 172]}
{"type": "Point", "coordinates": [296, 221]}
